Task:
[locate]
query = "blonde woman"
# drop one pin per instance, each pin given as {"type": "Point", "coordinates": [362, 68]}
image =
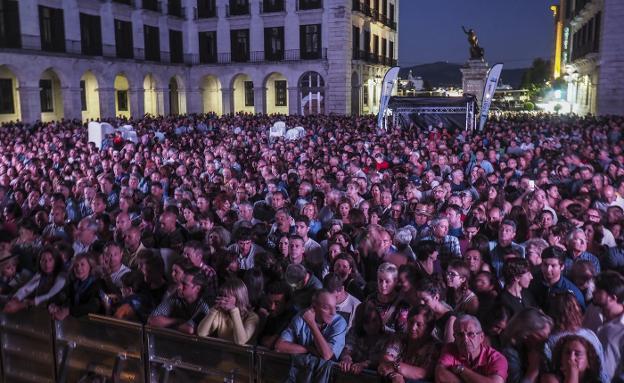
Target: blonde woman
{"type": "Point", "coordinates": [231, 317]}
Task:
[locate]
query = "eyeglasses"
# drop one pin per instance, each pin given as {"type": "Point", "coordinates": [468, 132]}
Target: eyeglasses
{"type": "Point", "coordinates": [469, 334]}
{"type": "Point", "coordinates": [451, 274]}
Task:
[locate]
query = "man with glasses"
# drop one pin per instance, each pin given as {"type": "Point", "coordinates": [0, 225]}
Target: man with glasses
{"type": "Point", "coordinates": [468, 358]}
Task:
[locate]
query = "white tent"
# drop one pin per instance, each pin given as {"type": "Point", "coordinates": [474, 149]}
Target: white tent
{"type": "Point", "coordinates": [97, 131]}
{"type": "Point", "coordinates": [278, 129]}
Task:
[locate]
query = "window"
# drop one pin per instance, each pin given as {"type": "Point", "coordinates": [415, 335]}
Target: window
{"type": "Point", "coordinates": [356, 42]}
{"type": "Point", "coordinates": [272, 6]}
{"type": "Point", "coordinates": [208, 47]}
{"type": "Point", "coordinates": [391, 50]}
{"type": "Point", "coordinates": [238, 7]}
{"type": "Point", "coordinates": [310, 4]}
{"type": "Point", "coordinates": [7, 104]}
{"type": "Point", "coordinates": [45, 95]}
{"type": "Point", "coordinates": [90, 35]}
{"type": "Point", "coordinates": [391, 13]}
{"type": "Point", "coordinates": [123, 39]}
{"type": "Point", "coordinates": [376, 45]}
{"type": "Point", "coordinates": [365, 95]}
{"type": "Point", "coordinates": [83, 96]}
{"type": "Point", "coordinates": [312, 93]}
{"type": "Point", "coordinates": [206, 9]}
{"type": "Point", "coordinates": [152, 5]}
{"type": "Point", "coordinates": [274, 43]}
{"type": "Point", "coordinates": [249, 93]}
{"type": "Point", "coordinates": [176, 47]}
{"type": "Point", "coordinates": [384, 48]}
{"type": "Point", "coordinates": [310, 36]}
{"type": "Point", "coordinates": [239, 40]}
{"type": "Point", "coordinates": [10, 36]}
{"type": "Point", "coordinates": [122, 100]}
{"type": "Point", "coordinates": [152, 43]}
{"type": "Point", "coordinates": [367, 41]}
{"type": "Point", "coordinates": [175, 8]}
{"type": "Point", "coordinates": [52, 29]}
{"type": "Point", "coordinates": [281, 96]}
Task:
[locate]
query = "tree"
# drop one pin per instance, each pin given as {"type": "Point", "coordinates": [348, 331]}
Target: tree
{"type": "Point", "coordinates": [537, 74]}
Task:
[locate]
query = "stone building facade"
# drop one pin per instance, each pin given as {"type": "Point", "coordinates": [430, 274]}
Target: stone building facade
{"type": "Point", "coordinates": [90, 59]}
{"type": "Point", "coordinates": [592, 50]}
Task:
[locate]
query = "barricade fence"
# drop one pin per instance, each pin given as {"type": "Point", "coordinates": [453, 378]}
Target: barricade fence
{"type": "Point", "coordinates": [35, 349]}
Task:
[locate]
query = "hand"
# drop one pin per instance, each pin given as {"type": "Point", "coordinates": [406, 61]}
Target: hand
{"type": "Point", "coordinates": [570, 368]}
{"type": "Point", "coordinates": [225, 303]}
{"type": "Point", "coordinates": [357, 368]}
{"type": "Point", "coordinates": [61, 313]}
{"type": "Point", "coordinates": [346, 365]}
{"type": "Point", "coordinates": [187, 328]}
{"type": "Point", "coordinates": [309, 316]}
{"type": "Point", "coordinates": [385, 368]}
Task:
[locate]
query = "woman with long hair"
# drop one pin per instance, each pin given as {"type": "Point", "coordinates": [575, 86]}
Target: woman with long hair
{"type": "Point", "coordinates": [387, 300]}
{"type": "Point", "coordinates": [414, 355]}
{"type": "Point", "coordinates": [575, 360]}
{"type": "Point", "coordinates": [231, 317]}
{"type": "Point", "coordinates": [428, 292]}
{"type": "Point", "coordinates": [43, 286]}
{"type": "Point", "coordinates": [365, 341]}
{"type": "Point", "coordinates": [345, 267]}
{"type": "Point", "coordinates": [458, 294]}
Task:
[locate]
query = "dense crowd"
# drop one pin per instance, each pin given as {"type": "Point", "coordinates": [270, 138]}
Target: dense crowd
{"type": "Point", "coordinates": [421, 254]}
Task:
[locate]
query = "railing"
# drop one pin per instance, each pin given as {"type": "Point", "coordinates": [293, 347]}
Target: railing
{"type": "Point", "coordinates": [304, 5]}
{"type": "Point", "coordinates": [37, 349]}
{"type": "Point", "coordinates": [255, 57]}
{"type": "Point", "coordinates": [372, 58]}
{"type": "Point", "coordinates": [366, 10]}
{"type": "Point", "coordinates": [204, 13]}
{"type": "Point", "coordinates": [176, 10]}
{"type": "Point", "coordinates": [152, 5]}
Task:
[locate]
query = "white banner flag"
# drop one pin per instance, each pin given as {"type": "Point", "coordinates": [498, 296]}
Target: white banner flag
{"type": "Point", "coordinates": [488, 92]}
{"type": "Point", "coordinates": [386, 92]}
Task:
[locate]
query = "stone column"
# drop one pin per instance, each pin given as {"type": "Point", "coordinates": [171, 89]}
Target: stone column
{"type": "Point", "coordinates": [227, 101]}
{"type": "Point", "coordinates": [293, 100]}
{"type": "Point", "coordinates": [338, 80]}
{"type": "Point", "coordinates": [193, 100]}
{"type": "Point", "coordinates": [107, 102]}
{"type": "Point", "coordinates": [260, 100]}
{"type": "Point", "coordinates": [30, 103]}
{"type": "Point", "coordinates": [137, 102]}
{"type": "Point", "coordinates": [162, 101]}
{"type": "Point", "coordinates": [473, 78]}
{"type": "Point", "coordinates": [72, 105]}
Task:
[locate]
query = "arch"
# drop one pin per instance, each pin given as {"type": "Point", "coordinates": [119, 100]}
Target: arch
{"type": "Point", "coordinates": [89, 96]}
{"type": "Point", "coordinates": [9, 95]}
{"type": "Point", "coordinates": [311, 93]}
{"type": "Point", "coordinates": [276, 86]}
{"type": "Point", "coordinates": [243, 93]}
{"type": "Point", "coordinates": [177, 96]}
{"type": "Point", "coordinates": [122, 96]}
{"type": "Point", "coordinates": [151, 95]}
{"type": "Point", "coordinates": [51, 96]}
{"type": "Point", "coordinates": [355, 94]}
{"type": "Point", "coordinates": [210, 88]}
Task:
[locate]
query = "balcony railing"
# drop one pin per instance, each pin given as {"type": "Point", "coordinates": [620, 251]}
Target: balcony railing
{"type": "Point", "coordinates": [289, 55]}
{"type": "Point", "coordinates": [236, 9]}
{"type": "Point", "coordinates": [204, 13]}
{"type": "Point", "coordinates": [366, 10]}
{"type": "Point", "coordinates": [304, 5]}
{"type": "Point", "coordinates": [372, 58]}
{"type": "Point", "coordinates": [271, 6]}
{"type": "Point", "coordinates": [152, 5]}
{"type": "Point", "coordinates": [176, 10]}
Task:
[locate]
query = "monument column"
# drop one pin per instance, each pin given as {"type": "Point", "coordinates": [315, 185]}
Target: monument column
{"type": "Point", "coordinates": [474, 75]}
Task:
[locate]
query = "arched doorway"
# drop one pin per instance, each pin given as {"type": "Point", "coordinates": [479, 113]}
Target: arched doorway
{"type": "Point", "coordinates": [276, 87]}
{"type": "Point", "coordinates": [243, 93]}
{"type": "Point", "coordinates": [150, 95]}
{"type": "Point", "coordinates": [51, 96]}
{"type": "Point", "coordinates": [211, 95]}
{"type": "Point", "coordinates": [311, 93]}
{"type": "Point", "coordinates": [355, 94]}
{"type": "Point", "coordinates": [174, 99]}
{"type": "Point", "coordinates": [122, 96]}
{"type": "Point", "coordinates": [9, 96]}
{"type": "Point", "coordinates": [89, 97]}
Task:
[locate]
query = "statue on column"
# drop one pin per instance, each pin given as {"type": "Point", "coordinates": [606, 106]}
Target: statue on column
{"type": "Point", "coordinates": [476, 52]}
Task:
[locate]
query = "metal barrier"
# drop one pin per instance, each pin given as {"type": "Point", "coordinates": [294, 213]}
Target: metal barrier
{"type": "Point", "coordinates": [175, 357]}
{"type": "Point", "coordinates": [271, 366]}
{"type": "Point", "coordinates": [367, 376]}
{"type": "Point", "coordinates": [99, 347]}
{"type": "Point", "coordinates": [27, 349]}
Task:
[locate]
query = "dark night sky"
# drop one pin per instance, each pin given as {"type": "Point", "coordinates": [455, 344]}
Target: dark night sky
{"type": "Point", "coordinates": [511, 31]}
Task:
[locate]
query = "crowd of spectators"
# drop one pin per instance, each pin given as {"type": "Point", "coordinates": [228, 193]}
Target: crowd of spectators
{"type": "Point", "coordinates": [420, 254]}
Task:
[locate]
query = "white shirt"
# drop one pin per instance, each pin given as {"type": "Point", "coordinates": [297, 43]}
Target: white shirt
{"type": "Point", "coordinates": [347, 309]}
{"type": "Point", "coordinates": [611, 335]}
{"type": "Point", "coordinates": [116, 275]}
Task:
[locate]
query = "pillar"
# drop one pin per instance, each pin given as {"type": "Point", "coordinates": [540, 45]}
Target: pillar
{"type": "Point", "coordinates": [137, 102]}
{"type": "Point", "coordinates": [107, 102]}
{"type": "Point", "coordinates": [293, 100]}
{"type": "Point", "coordinates": [227, 101]}
{"type": "Point", "coordinates": [72, 105]}
{"type": "Point", "coordinates": [260, 100]}
{"type": "Point", "coordinates": [194, 101]}
{"type": "Point", "coordinates": [30, 103]}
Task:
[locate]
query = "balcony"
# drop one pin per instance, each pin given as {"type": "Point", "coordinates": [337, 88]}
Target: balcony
{"type": "Point", "coordinates": [304, 5]}
{"type": "Point", "coordinates": [152, 5]}
{"type": "Point", "coordinates": [366, 10]}
{"type": "Point", "coordinates": [204, 13]}
{"type": "Point", "coordinates": [271, 6]}
{"type": "Point", "coordinates": [176, 9]}
{"type": "Point", "coordinates": [290, 55]}
{"type": "Point", "coordinates": [372, 58]}
{"type": "Point", "coordinates": [236, 9]}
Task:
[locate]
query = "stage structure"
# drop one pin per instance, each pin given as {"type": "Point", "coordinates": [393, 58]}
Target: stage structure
{"type": "Point", "coordinates": [453, 112]}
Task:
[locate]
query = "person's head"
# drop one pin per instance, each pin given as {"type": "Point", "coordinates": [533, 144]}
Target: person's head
{"type": "Point", "coordinates": [191, 287]}
{"type": "Point", "coordinates": [194, 252]}
{"type": "Point", "coordinates": [484, 282]}
{"type": "Point", "coordinates": [440, 227]}
{"type": "Point", "coordinates": [302, 226]}
{"type": "Point", "coordinates": [113, 255]}
{"type": "Point", "coordinates": [387, 278]}
{"type": "Point", "coordinates": [468, 335]}
{"type": "Point", "coordinates": [582, 274]}
{"type": "Point", "coordinates": [296, 249]}
{"type": "Point", "coordinates": [474, 260]}
{"type": "Point", "coordinates": [132, 282]}
{"type": "Point", "coordinates": [426, 250]}
{"type": "Point", "coordinates": [277, 296]}
{"type": "Point", "coordinates": [367, 320]}
{"type": "Point", "coordinates": [344, 266]}
{"type": "Point", "coordinates": [457, 275]}
{"type": "Point", "coordinates": [168, 222]}
{"type": "Point", "coordinates": [578, 350]}
{"type": "Point", "coordinates": [408, 275]}
{"type": "Point", "coordinates": [8, 268]}
{"type": "Point", "coordinates": [334, 284]}
{"type": "Point", "coordinates": [609, 290]}
{"type": "Point", "coordinates": [82, 265]}
{"type": "Point", "coordinates": [244, 241]}
{"type": "Point", "coordinates": [420, 323]}
{"type": "Point", "coordinates": [86, 231]}
{"type": "Point", "coordinates": [324, 305]}
{"type": "Point", "coordinates": [530, 327]}
{"type": "Point", "coordinates": [534, 248]}
{"type": "Point", "coordinates": [496, 321]}
{"type": "Point", "coordinates": [577, 241]}
{"type": "Point", "coordinates": [565, 311]}
{"type": "Point", "coordinates": [517, 271]}
{"type": "Point", "coordinates": [427, 292]}
{"type": "Point", "coordinates": [506, 232]}
{"type": "Point", "coordinates": [552, 264]}
{"type": "Point", "coordinates": [236, 288]}
{"type": "Point", "coordinates": [50, 262]}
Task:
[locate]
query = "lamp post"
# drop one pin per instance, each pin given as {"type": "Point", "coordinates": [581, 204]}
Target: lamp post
{"type": "Point", "coordinates": [571, 78]}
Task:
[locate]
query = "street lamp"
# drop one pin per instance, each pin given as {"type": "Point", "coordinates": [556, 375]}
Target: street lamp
{"type": "Point", "coordinates": [571, 78]}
